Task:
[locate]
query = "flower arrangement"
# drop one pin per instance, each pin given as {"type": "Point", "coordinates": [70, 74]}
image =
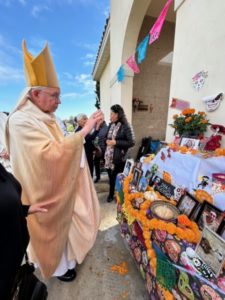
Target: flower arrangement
{"type": "Point", "coordinates": [187, 230]}
{"type": "Point", "coordinates": [190, 123]}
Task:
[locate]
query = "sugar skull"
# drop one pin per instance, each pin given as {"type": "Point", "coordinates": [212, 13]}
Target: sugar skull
{"type": "Point", "coordinates": [184, 287]}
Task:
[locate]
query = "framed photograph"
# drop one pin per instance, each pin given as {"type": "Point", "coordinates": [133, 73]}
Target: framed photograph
{"type": "Point", "coordinates": [221, 230]}
{"type": "Point", "coordinates": [209, 216]}
{"type": "Point", "coordinates": [128, 167]}
{"type": "Point", "coordinates": [190, 143]}
{"type": "Point", "coordinates": [148, 175]}
{"type": "Point", "coordinates": [143, 184]}
{"type": "Point", "coordinates": [211, 250]}
{"type": "Point", "coordinates": [138, 165]}
{"type": "Point", "coordinates": [187, 205]}
{"type": "Point", "coordinates": [137, 173]}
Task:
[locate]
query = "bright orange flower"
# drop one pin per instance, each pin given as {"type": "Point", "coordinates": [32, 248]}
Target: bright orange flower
{"type": "Point", "coordinates": [201, 113]}
{"type": "Point", "coordinates": [188, 111]}
{"type": "Point", "coordinates": [187, 120]}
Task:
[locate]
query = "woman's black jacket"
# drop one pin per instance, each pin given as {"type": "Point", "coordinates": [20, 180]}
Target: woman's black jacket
{"type": "Point", "coordinates": [124, 141]}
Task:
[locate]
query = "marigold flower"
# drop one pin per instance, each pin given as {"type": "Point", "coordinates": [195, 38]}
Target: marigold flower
{"type": "Point", "coordinates": [188, 111]}
{"type": "Point", "coordinates": [187, 120]}
{"type": "Point", "coordinates": [201, 113]}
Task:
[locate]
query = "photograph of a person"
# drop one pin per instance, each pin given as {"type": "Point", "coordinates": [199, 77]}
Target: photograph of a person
{"type": "Point", "coordinates": [143, 184]}
{"type": "Point", "coordinates": [190, 143]}
{"type": "Point", "coordinates": [136, 177]}
{"type": "Point", "coordinates": [209, 216]}
{"type": "Point", "coordinates": [211, 250]}
{"type": "Point", "coordinates": [187, 205]}
{"type": "Point", "coordinates": [128, 167]}
{"type": "Point", "coordinates": [148, 174]}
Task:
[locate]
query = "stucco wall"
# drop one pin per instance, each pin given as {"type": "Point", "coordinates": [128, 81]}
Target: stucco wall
{"type": "Point", "coordinates": [152, 84]}
{"type": "Point", "coordinates": [199, 45]}
{"type": "Point", "coordinates": [105, 91]}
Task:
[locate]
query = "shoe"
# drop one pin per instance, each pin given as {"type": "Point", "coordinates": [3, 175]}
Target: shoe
{"type": "Point", "coordinates": [96, 180]}
{"type": "Point", "coordinates": [110, 199]}
{"type": "Point", "coordinates": [70, 275]}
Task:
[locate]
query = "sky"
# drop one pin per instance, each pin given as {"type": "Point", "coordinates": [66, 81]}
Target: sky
{"type": "Point", "coordinates": [73, 30]}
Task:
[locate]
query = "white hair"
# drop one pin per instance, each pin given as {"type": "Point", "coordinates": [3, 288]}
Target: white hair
{"type": "Point", "coordinates": [80, 117]}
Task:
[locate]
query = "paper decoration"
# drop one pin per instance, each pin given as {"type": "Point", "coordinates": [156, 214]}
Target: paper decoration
{"type": "Point", "coordinates": [212, 102]}
{"type": "Point", "coordinates": [131, 62]}
{"type": "Point", "coordinates": [179, 104]}
{"type": "Point", "coordinates": [199, 80]}
{"type": "Point", "coordinates": [165, 271]}
{"type": "Point", "coordinates": [120, 74]}
{"type": "Point", "coordinates": [218, 183]}
{"type": "Point", "coordinates": [157, 27]}
{"type": "Point", "coordinates": [142, 49]}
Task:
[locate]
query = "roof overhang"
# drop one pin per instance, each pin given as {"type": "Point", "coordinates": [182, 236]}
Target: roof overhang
{"type": "Point", "coordinates": [103, 55]}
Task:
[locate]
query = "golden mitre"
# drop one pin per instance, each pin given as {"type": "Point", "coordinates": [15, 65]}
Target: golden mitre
{"type": "Point", "coordinates": [39, 70]}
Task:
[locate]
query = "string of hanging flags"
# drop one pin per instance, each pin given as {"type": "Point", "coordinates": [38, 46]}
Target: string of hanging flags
{"type": "Point", "coordinates": [141, 50]}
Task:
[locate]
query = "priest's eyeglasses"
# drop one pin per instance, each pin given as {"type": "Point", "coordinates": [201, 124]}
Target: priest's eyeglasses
{"type": "Point", "coordinates": [55, 95]}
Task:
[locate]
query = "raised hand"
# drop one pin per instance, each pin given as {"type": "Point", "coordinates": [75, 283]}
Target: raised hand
{"type": "Point", "coordinates": [95, 118]}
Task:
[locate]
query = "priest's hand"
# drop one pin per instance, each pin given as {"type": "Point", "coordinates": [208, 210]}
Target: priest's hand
{"type": "Point", "coordinates": [95, 118]}
{"type": "Point", "coordinates": [41, 207]}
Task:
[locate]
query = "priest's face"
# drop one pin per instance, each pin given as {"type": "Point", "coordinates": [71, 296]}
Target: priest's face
{"type": "Point", "coordinates": [46, 99]}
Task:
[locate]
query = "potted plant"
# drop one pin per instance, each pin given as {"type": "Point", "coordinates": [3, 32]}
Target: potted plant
{"type": "Point", "coordinates": [190, 124]}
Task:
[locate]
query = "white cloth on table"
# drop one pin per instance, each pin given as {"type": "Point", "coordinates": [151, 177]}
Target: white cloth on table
{"type": "Point", "coordinates": [186, 170]}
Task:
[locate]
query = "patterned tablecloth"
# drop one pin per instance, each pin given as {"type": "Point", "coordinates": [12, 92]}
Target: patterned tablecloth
{"type": "Point", "coordinates": [193, 279]}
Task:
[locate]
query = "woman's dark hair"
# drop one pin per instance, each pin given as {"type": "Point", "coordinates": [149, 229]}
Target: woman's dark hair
{"type": "Point", "coordinates": [121, 114]}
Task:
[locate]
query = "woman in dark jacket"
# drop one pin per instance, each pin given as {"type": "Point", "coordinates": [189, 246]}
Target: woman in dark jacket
{"type": "Point", "coordinates": [13, 226]}
{"type": "Point", "coordinates": [89, 138]}
{"type": "Point", "coordinates": [120, 138]}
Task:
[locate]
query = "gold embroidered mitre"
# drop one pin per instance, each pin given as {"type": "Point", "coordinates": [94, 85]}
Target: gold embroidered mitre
{"type": "Point", "coordinates": [39, 70]}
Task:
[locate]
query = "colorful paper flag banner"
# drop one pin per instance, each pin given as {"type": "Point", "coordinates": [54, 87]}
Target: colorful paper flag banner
{"type": "Point", "coordinates": [157, 27]}
{"type": "Point", "coordinates": [179, 104]}
{"type": "Point", "coordinates": [131, 62]}
{"type": "Point", "coordinates": [120, 74]}
{"type": "Point", "coordinates": [142, 49]}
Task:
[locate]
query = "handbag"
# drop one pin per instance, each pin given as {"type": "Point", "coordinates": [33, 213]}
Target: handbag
{"type": "Point", "coordinates": [27, 286]}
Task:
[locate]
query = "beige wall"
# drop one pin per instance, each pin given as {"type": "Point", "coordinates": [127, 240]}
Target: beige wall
{"type": "Point", "coordinates": [199, 45]}
{"type": "Point", "coordinates": [105, 91]}
{"type": "Point", "coordinates": [152, 84]}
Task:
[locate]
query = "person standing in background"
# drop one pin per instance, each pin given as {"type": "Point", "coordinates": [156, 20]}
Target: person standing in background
{"type": "Point", "coordinates": [101, 136]}
{"type": "Point", "coordinates": [62, 126]}
{"type": "Point", "coordinates": [89, 147]}
{"type": "Point", "coordinates": [119, 139]}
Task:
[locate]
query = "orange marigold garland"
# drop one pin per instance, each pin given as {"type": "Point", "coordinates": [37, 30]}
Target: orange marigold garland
{"type": "Point", "coordinates": [202, 195]}
{"type": "Point", "coordinates": [186, 229]}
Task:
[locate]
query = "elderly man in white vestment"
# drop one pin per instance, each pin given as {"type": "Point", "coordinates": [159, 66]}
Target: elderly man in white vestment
{"type": "Point", "coordinates": [50, 166]}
